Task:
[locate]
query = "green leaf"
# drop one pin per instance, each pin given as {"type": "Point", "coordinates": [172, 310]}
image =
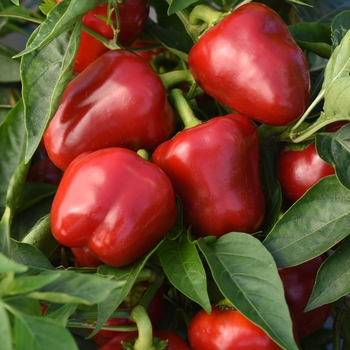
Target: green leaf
{"type": "Point", "coordinates": [340, 26]}
{"type": "Point", "coordinates": [9, 69]}
{"type": "Point", "coordinates": [125, 277]}
{"type": "Point", "coordinates": [7, 265]}
{"type": "Point", "coordinates": [36, 332]}
{"type": "Point", "coordinates": [335, 80]}
{"type": "Point", "coordinates": [182, 265]}
{"type": "Point", "coordinates": [178, 5]}
{"type": "Point", "coordinates": [338, 65]}
{"type": "Point", "coordinates": [176, 41]}
{"type": "Point", "coordinates": [26, 254]}
{"type": "Point", "coordinates": [5, 224]}
{"type": "Point", "coordinates": [45, 73]}
{"type": "Point", "coordinates": [5, 328]}
{"type": "Point", "coordinates": [25, 284]}
{"type": "Point", "coordinates": [60, 19]}
{"type": "Point", "coordinates": [315, 37]}
{"type": "Point", "coordinates": [12, 138]}
{"type": "Point", "coordinates": [62, 313]}
{"type": "Point", "coordinates": [24, 305]}
{"type": "Point", "coordinates": [34, 192]}
{"type": "Point", "coordinates": [334, 148]}
{"type": "Point", "coordinates": [46, 6]}
{"type": "Point", "coordinates": [333, 278]}
{"type": "Point", "coordinates": [16, 2]}
{"type": "Point", "coordinates": [26, 220]}
{"type": "Point", "coordinates": [71, 287]}
{"type": "Point", "coordinates": [314, 224]}
{"type": "Point", "coordinates": [322, 11]}
{"type": "Point", "coordinates": [247, 276]}
{"type": "Point", "coordinates": [41, 236]}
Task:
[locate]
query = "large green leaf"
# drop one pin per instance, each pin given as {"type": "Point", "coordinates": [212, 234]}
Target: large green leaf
{"type": "Point", "coordinates": [26, 254]}
{"type": "Point", "coordinates": [333, 278]}
{"type": "Point", "coordinates": [178, 5]}
{"type": "Point", "coordinates": [34, 192]}
{"type": "Point", "coordinates": [36, 332]}
{"type": "Point", "coordinates": [40, 236]}
{"type": "Point", "coordinates": [247, 276]}
{"type": "Point", "coordinates": [182, 265]}
{"type": "Point", "coordinates": [334, 148]}
{"type": "Point", "coordinates": [60, 19]}
{"type": "Point", "coordinates": [315, 37]}
{"type": "Point", "coordinates": [71, 287]}
{"type": "Point", "coordinates": [25, 284]}
{"type": "Point", "coordinates": [314, 224]}
{"type": "Point", "coordinates": [12, 137]}
{"type": "Point", "coordinates": [45, 73]}
{"type": "Point", "coordinates": [8, 265]}
{"type": "Point", "coordinates": [9, 69]}
{"type": "Point", "coordinates": [5, 329]}
{"type": "Point", "coordinates": [340, 26]}
{"type": "Point", "coordinates": [335, 91]}
{"type": "Point", "coordinates": [125, 277]}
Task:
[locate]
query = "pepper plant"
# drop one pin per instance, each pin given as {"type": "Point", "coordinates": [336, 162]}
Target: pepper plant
{"type": "Point", "coordinates": [275, 72]}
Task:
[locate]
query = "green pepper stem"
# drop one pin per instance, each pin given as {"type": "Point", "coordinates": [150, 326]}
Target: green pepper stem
{"type": "Point", "coordinates": [145, 337]}
{"type": "Point", "coordinates": [183, 108]}
{"type": "Point", "coordinates": [143, 154]}
{"type": "Point", "coordinates": [173, 78]}
{"type": "Point", "coordinates": [203, 17]}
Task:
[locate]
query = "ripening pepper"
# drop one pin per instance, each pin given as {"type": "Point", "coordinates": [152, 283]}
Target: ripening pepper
{"type": "Point", "coordinates": [113, 204]}
{"type": "Point", "coordinates": [118, 101]}
{"type": "Point", "coordinates": [215, 170]}
{"type": "Point", "coordinates": [250, 62]}
{"type": "Point", "coordinates": [133, 15]}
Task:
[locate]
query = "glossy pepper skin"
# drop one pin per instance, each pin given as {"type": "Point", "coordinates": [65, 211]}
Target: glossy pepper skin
{"type": "Point", "coordinates": [249, 62]}
{"type": "Point", "coordinates": [226, 329]}
{"type": "Point", "coordinates": [298, 282]}
{"type": "Point", "coordinates": [118, 101]}
{"type": "Point", "coordinates": [214, 168]}
{"type": "Point", "coordinates": [298, 170]}
{"type": "Point", "coordinates": [113, 203]}
{"type": "Point", "coordinates": [133, 15]}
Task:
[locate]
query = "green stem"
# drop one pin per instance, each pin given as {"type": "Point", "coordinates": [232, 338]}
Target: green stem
{"type": "Point", "coordinates": [144, 326]}
{"type": "Point", "coordinates": [183, 108]}
{"type": "Point", "coordinates": [110, 44]}
{"type": "Point", "coordinates": [306, 133]}
{"type": "Point", "coordinates": [336, 330]}
{"type": "Point", "coordinates": [151, 290]}
{"type": "Point", "coordinates": [143, 154]}
{"type": "Point", "coordinates": [203, 17]}
{"type": "Point", "coordinates": [173, 78]}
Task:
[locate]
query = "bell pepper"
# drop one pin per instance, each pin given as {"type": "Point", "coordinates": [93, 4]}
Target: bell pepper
{"type": "Point", "coordinates": [215, 170]}
{"type": "Point", "coordinates": [114, 204]}
{"type": "Point", "coordinates": [118, 101]}
{"type": "Point", "coordinates": [132, 14]}
{"type": "Point", "coordinates": [250, 62]}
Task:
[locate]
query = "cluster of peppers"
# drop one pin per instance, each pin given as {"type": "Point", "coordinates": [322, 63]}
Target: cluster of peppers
{"type": "Point", "coordinates": [131, 147]}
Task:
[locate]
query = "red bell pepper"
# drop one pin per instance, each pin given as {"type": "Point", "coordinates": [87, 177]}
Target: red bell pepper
{"type": "Point", "coordinates": [215, 170]}
{"type": "Point", "coordinates": [118, 101]}
{"type": "Point", "coordinates": [250, 62]}
{"type": "Point", "coordinates": [133, 15]}
{"type": "Point", "coordinates": [114, 204]}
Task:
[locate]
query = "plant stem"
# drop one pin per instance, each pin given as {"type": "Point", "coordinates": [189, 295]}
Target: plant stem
{"type": "Point", "coordinates": [176, 77]}
{"type": "Point", "coordinates": [144, 326]}
{"type": "Point", "coordinates": [143, 154]}
{"type": "Point", "coordinates": [181, 105]}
